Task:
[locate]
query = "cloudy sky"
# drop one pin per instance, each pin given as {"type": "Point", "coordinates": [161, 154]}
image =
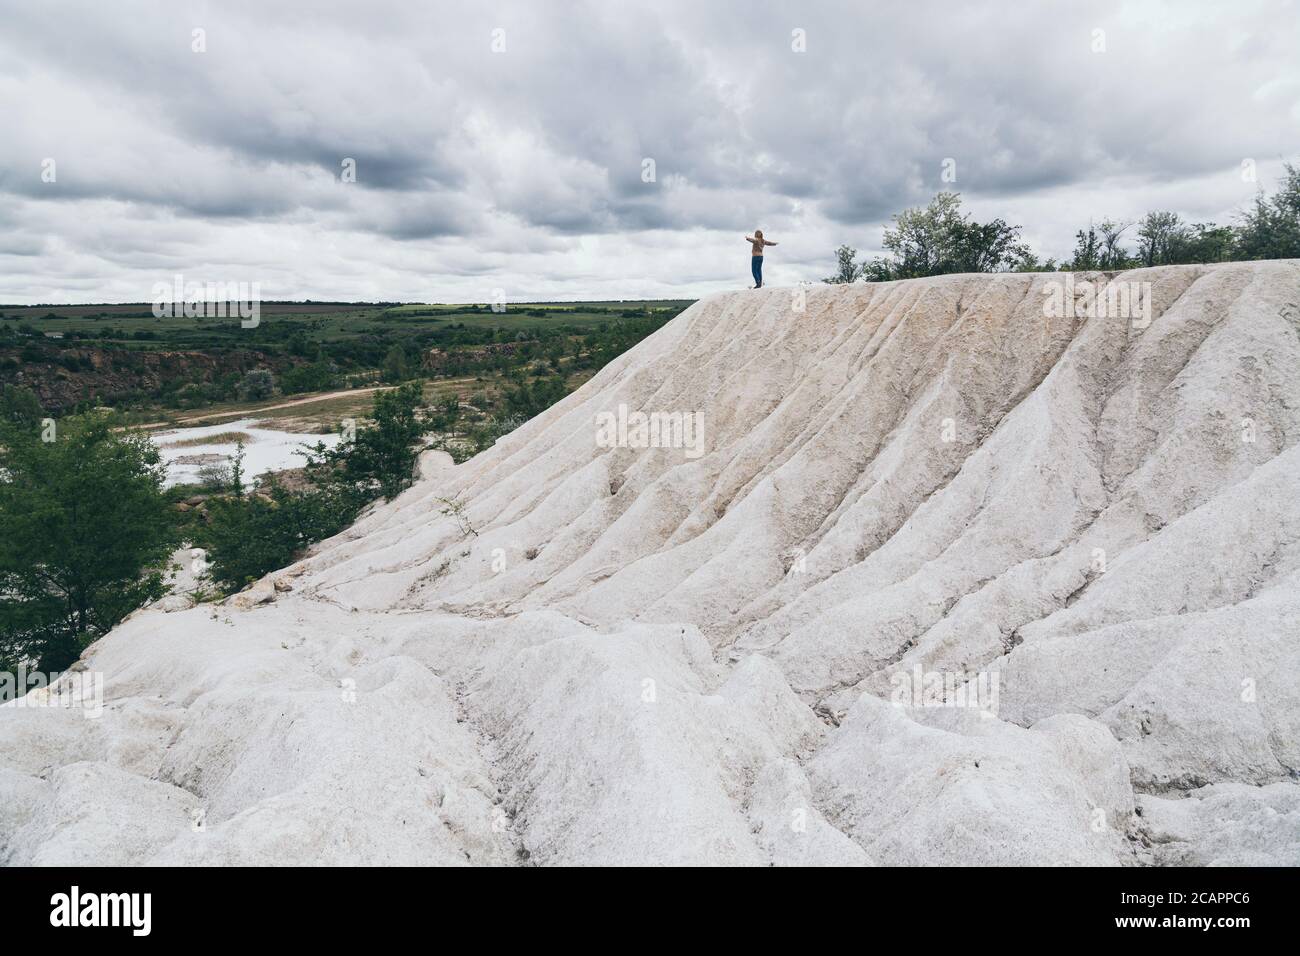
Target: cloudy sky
{"type": "Point", "coordinates": [505, 146]}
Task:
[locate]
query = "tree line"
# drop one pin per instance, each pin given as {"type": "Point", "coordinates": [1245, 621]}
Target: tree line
{"type": "Point", "coordinates": [940, 239]}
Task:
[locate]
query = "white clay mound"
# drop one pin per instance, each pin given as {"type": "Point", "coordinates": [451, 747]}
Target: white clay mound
{"type": "Point", "coordinates": [566, 653]}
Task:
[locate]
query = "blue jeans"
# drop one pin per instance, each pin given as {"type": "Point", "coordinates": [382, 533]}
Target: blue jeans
{"type": "Point", "coordinates": [756, 267]}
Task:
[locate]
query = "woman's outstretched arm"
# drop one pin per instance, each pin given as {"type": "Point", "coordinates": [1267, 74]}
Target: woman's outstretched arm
{"type": "Point", "coordinates": [749, 238]}
{"type": "Point", "coordinates": [766, 243]}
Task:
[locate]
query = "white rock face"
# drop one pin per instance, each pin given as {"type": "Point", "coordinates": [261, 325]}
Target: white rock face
{"type": "Point", "coordinates": [948, 581]}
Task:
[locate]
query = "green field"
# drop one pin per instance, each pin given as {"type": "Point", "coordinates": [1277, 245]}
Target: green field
{"type": "Point", "coordinates": [509, 363]}
{"type": "Point", "coordinates": [134, 326]}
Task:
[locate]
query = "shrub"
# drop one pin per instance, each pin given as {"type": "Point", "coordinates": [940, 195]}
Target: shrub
{"type": "Point", "coordinates": [316, 377]}
{"type": "Point", "coordinates": [256, 385]}
{"type": "Point", "coordinates": [215, 477]}
{"type": "Point", "coordinates": [381, 460]}
{"type": "Point", "coordinates": [247, 537]}
{"type": "Point", "coordinates": [85, 535]}
{"type": "Point", "coordinates": [250, 536]}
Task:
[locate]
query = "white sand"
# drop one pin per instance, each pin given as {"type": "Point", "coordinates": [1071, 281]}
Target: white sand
{"type": "Point", "coordinates": [619, 655]}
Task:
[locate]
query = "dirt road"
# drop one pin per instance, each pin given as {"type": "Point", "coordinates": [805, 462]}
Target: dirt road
{"type": "Point", "coordinates": [253, 412]}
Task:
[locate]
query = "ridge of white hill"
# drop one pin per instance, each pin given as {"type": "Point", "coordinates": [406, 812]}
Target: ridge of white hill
{"type": "Point", "coordinates": [950, 580]}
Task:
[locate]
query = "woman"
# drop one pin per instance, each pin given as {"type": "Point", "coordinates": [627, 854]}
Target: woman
{"type": "Point", "coordinates": [756, 264]}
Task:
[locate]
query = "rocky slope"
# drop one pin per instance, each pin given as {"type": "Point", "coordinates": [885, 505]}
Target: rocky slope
{"type": "Point", "coordinates": [946, 580]}
{"type": "Point", "coordinates": [64, 377]}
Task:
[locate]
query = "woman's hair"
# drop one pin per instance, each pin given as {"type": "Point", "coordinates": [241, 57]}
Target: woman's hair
{"type": "Point", "coordinates": [758, 232]}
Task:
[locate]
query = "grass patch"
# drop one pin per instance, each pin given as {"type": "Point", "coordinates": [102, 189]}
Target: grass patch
{"type": "Point", "coordinates": [221, 438]}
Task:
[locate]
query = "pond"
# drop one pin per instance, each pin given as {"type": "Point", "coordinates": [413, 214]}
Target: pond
{"type": "Point", "coordinates": [186, 450]}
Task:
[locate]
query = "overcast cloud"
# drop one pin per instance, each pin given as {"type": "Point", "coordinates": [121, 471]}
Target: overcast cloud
{"type": "Point", "coordinates": [522, 169]}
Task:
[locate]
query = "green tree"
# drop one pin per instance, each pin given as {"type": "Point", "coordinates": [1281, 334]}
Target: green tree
{"type": "Point", "coordinates": [20, 406]}
{"type": "Point", "coordinates": [381, 459]}
{"type": "Point", "coordinates": [446, 415]}
{"type": "Point", "coordinates": [316, 377]}
{"type": "Point", "coordinates": [256, 385]}
{"type": "Point", "coordinates": [248, 536]}
{"type": "Point", "coordinates": [1270, 229]}
{"type": "Point", "coordinates": [1112, 255]}
{"type": "Point", "coordinates": [940, 239]}
{"type": "Point", "coordinates": [533, 398]}
{"type": "Point", "coordinates": [85, 535]}
{"type": "Point", "coordinates": [1099, 248]}
{"type": "Point", "coordinates": [1087, 250]}
{"type": "Point", "coordinates": [1206, 242]}
{"type": "Point", "coordinates": [237, 470]}
{"type": "Point", "coordinates": [847, 269]}
{"type": "Point", "coordinates": [397, 367]}
{"type": "Point", "coordinates": [1161, 237]}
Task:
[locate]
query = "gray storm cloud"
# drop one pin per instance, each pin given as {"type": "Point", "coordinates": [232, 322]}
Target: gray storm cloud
{"type": "Point", "coordinates": [504, 145]}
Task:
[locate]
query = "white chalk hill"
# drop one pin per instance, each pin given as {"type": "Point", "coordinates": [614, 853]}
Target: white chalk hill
{"type": "Point", "coordinates": [565, 653]}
